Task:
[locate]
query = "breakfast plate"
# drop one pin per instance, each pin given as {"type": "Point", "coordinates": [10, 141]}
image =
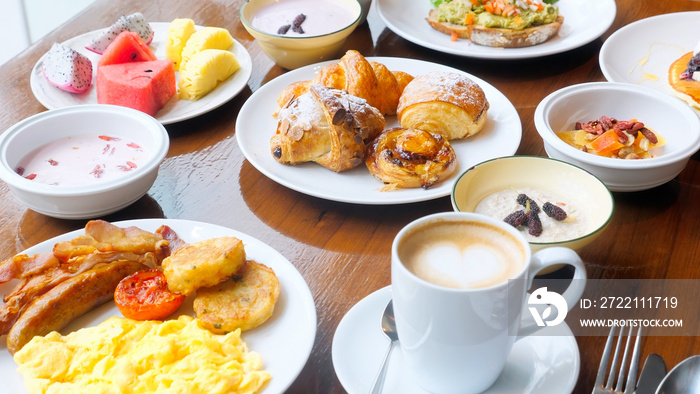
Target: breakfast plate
{"type": "Point", "coordinates": [547, 363]}
{"type": "Point", "coordinates": [642, 52]}
{"type": "Point", "coordinates": [284, 341]}
{"type": "Point", "coordinates": [174, 111]}
{"type": "Point", "coordinates": [256, 124]}
{"type": "Point", "coordinates": [584, 21]}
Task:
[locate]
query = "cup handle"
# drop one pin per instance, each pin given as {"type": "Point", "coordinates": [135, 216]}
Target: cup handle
{"type": "Point", "coordinates": [544, 258]}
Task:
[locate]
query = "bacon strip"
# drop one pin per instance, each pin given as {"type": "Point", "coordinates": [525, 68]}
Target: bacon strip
{"type": "Point", "coordinates": [103, 243]}
{"type": "Point", "coordinates": [22, 265]}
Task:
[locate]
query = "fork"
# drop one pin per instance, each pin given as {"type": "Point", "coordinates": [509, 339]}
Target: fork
{"type": "Point", "coordinates": [630, 384]}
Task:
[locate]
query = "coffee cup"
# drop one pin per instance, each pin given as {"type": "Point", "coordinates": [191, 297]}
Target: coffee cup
{"type": "Point", "coordinates": [460, 285]}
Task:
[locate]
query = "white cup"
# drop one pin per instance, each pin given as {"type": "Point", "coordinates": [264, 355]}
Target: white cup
{"type": "Point", "coordinates": [457, 340]}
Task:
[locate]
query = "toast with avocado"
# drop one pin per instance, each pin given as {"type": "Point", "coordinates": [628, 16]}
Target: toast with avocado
{"type": "Point", "coordinates": [497, 23]}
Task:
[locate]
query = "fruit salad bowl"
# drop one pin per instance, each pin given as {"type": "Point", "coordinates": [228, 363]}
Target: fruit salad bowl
{"type": "Point", "coordinates": [673, 120]}
{"type": "Point", "coordinates": [293, 51]}
{"type": "Point", "coordinates": [82, 162]}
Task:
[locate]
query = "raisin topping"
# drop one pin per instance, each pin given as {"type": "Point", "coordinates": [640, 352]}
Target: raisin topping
{"type": "Point", "coordinates": [515, 219]}
{"type": "Point", "coordinates": [523, 200]}
{"type": "Point", "coordinates": [283, 29]}
{"type": "Point", "coordinates": [534, 224]}
{"type": "Point", "coordinates": [296, 24]}
{"type": "Point", "coordinates": [554, 211]}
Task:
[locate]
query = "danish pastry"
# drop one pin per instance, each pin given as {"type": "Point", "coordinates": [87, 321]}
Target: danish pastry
{"type": "Point", "coordinates": [409, 158]}
{"type": "Point", "coordinates": [681, 79]}
{"type": "Point", "coordinates": [327, 126]}
{"type": "Point", "coordinates": [443, 102]}
{"type": "Point", "coordinates": [371, 81]}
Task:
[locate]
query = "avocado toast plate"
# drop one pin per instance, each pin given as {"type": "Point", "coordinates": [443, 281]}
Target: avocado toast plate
{"type": "Point", "coordinates": [584, 21]}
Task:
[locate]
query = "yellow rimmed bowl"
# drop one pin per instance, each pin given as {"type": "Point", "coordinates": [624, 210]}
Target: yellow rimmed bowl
{"type": "Point", "coordinates": [543, 174]}
{"type": "Point", "coordinates": [292, 52]}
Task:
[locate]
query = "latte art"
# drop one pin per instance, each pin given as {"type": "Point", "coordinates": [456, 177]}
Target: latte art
{"type": "Point", "coordinates": [462, 255]}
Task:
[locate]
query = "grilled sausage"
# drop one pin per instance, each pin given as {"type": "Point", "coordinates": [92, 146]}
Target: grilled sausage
{"type": "Point", "coordinates": [70, 299]}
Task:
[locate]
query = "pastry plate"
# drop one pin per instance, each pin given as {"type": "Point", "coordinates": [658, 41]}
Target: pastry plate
{"type": "Point", "coordinates": [538, 364]}
{"type": "Point", "coordinates": [642, 52]}
{"type": "Point", "coordinates": [284, 341]}
{"type": "Point", "coordinates": [174, 111]}
{"type": "Point", "coordinates": [256, 124]}
{"type": "Point", "coordinates": [584, 21]}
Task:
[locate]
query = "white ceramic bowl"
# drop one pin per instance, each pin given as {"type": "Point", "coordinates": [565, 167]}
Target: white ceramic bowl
{"type": "Point", "coordinates": [669, 117]}
{"type": "Point", "coordinates": [552, 176]}
{"type": "Point", "coordinates": [98, 198]}
{"type": "Point", "coordinates": [293, 52]}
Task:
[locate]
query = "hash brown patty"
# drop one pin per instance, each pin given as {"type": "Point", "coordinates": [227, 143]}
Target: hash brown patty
{"type": "Point", "coordinates": [244, 301]}
{"type": "Point", "coordinates": [202, 264]}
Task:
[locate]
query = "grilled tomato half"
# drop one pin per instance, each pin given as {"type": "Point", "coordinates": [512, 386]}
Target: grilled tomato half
{"type": "Point", "coordinates": [144, 295]}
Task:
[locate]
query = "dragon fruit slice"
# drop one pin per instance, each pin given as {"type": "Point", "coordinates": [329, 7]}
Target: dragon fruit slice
{"type": "Point", "coordinates": [67, 69]}
{"type": "Point", "coordinates": [134, 22]}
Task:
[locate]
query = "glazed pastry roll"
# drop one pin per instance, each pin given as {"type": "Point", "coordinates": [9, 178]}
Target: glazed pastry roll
{"type": "Point", "coordinates": [443, 102]}
{"type": "Point", "coordinates": [327, 126]}
{"type": "Point", "coordinates": [410, 158]}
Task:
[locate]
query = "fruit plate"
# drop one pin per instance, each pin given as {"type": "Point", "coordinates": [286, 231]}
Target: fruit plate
{"type": "Point", "coordinates": [284, 341]}
{"type": "Point", "coordinates": [174, 111]}
{"type": "Point", "coordinates": [256, 124]}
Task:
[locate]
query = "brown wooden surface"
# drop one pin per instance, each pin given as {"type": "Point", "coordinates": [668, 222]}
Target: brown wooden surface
{"type": "Point", "coordinates": [342, 250]}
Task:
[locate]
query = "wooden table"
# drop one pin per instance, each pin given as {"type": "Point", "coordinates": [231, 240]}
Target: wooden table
{"type": "Point", "coordinates": [342, 250]}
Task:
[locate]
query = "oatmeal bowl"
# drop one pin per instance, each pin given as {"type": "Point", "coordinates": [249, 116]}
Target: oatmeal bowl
{"type": "Point", "coordinates": [551, 202]}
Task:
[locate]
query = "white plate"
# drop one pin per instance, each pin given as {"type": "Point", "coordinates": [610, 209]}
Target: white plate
{"type": "Point", "coordinates": [537, 364]}
{"type": "Point", "coordinates": [256, 125]}
{"type": "Point", "coordinates": [284, 341]}
{"type": "Point", "coordinates": [174, 111]}
{"type": "Point", "coordinates": [584, 21]}
{"type": "Point", "coordinates": [642, 52]}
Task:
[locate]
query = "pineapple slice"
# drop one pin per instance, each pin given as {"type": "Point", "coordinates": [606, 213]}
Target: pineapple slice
{"type": "Point", "coordinates": [179, 32]}
{"type": "Point", "coordinates": [206, 38]}
{"type": "Point", "coordinates": [203, 72]}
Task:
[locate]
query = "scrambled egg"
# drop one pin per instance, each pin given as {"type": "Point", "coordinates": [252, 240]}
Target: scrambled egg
{"type": "Point", "coordinates": [127, 356]}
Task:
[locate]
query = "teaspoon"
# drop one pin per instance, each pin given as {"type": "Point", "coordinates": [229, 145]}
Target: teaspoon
{"type": "Point", "coordinates": [389, 329]}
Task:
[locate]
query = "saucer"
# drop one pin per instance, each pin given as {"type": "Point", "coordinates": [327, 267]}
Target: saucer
{"type": "Point", "coordinates": [545, 363]}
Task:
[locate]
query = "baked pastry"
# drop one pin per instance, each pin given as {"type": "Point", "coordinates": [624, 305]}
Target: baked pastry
{"type": "Point", "coordinates": [681, 77]}
{"type": "Point", "coordinates": [443, 102]}
{"type": "Point", "coordinates": [327, 126]}
{"type": "Point", "coordinates": [497, 23]}
{"type": "Point", "coordinates": [409, 158]}
{"type": "Point", "coordinates": [371, 81]}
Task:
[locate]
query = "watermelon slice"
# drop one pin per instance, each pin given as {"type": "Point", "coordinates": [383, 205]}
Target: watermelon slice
{"type": "Point", "coordinates": [126, 48]}
{"type": "Point", "coordinates": [146, 86]}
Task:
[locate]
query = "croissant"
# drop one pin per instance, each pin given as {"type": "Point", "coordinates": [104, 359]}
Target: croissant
{"type": "Point", "coordinates": [371, 81]}
{"type": "Point", "coordinates": [327, 126]}
{"type": "Point", "coordinates": [410, 158]}
{"type": "Point", "coordinates": [443, 102]}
